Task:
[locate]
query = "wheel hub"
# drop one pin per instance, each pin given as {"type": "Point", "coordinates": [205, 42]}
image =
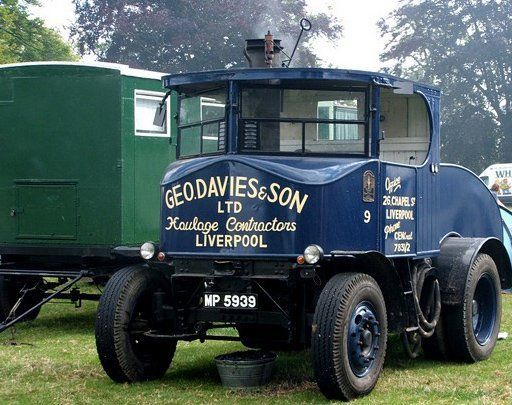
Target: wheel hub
{"type": "Point", "coordinates": [483, 309]}
{"type": "Point", "coordinates": [363, 339]}
{"type": "Point", "coordinates": [366, 340]}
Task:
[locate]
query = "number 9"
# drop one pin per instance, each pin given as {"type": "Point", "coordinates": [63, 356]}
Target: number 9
{"type": "Point", "coordinates": [367, 216]}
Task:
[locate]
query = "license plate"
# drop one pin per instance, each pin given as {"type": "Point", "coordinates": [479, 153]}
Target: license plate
{"type": "Point", "coordinates": [226, 300]}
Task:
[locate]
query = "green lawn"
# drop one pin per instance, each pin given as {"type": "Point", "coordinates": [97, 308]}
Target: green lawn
{"type": "Point", "coordinates": [55, 361]}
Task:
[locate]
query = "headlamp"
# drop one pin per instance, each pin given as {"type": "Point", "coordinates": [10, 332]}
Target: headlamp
{"type": "Point", "coordinates": [147, 250]}
{"type": "Point", "coordinates": [313, 254]}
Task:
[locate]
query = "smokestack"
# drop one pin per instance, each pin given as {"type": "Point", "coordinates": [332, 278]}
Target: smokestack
{"type": "Point", "coordinates": [263, 52]}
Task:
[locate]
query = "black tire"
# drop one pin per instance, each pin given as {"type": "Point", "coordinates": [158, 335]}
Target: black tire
{"type": "Point", "coordinates": [127, 299]}
{"type": "Point", "coordinates": [465, 341]}
{"type": "Point", "coordinates": [340, 371]}
{"type": "Point", "coordinates": [10, 292]}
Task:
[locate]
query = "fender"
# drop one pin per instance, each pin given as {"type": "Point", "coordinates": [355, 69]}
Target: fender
{"type": "Point", "coordinates": [383, 270]}
{"type": "Point", "coordinates": [457, 257]}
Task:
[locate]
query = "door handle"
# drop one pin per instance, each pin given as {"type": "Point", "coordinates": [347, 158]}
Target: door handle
{"type": "Point", "coordinates": [16, 211]}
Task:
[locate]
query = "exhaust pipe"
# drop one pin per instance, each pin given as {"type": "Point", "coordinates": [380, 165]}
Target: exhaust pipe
{"type": "Point", "coordinates": [263, 52]}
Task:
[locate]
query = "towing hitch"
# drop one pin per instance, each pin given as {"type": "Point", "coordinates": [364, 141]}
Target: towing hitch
{"type": "Point", "coordinates": [10, 322]}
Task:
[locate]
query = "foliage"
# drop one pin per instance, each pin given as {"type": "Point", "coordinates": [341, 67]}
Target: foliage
{"type": "Point", "coordinates": [190, 35]}
{"type": "Point", "coordinates": [465, 46]}
{"type": "Point", "coordinates": [25, 39]}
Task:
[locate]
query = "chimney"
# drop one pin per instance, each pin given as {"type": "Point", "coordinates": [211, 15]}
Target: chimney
{"type": "Point", "coordinates": [263, 52]}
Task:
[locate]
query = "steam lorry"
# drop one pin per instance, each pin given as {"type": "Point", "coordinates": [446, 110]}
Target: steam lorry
{"type": "Point", "coordinates": [309, 208]}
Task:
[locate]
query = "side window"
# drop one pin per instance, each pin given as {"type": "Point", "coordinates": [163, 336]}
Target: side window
{"type": "Point", "coordinates": [145, 105]}
{"type": "Point", "coordinates": [202, 125]}
{"type": "Point", "coordinates": [405, 128]}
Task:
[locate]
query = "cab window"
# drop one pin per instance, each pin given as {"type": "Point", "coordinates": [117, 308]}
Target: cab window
{"type": "Point", "coordinates": [201, 123]}
{"type": "Point", "coordinates": [303, 121]}
{"type": "Point", "coordinates": [405, 128]}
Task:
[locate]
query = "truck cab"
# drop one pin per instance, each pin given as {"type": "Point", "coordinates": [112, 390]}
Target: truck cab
{"type": "Point", "coordinates": [309, 208]}
{"type": "Point", "coordinates": [306, 141]}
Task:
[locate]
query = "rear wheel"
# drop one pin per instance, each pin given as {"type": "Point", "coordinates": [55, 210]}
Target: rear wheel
{"type": "Point", "coordinates": [124, 315]}
{"type": "Point", "coordinates": [11, 289]}
{"type": "Point", "coordinates": [349, 336]}
{"type": "Point", "coordinates": [471, 328]}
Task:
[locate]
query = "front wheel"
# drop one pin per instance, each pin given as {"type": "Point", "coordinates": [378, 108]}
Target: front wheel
{"type": "Point", "coordinates": [349, 336]}
{"type": "Point", "coordinates": [124, 314]}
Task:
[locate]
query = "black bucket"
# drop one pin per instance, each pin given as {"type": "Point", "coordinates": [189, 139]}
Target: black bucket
{"type": "Point", "coordinates": [247, 369]}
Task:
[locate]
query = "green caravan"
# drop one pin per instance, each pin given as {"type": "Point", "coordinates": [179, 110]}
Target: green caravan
{"type": "Point", "coordinates": [79, 157]}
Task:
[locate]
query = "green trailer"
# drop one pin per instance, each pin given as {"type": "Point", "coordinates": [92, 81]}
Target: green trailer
{"type": "Point", "coordinates": [79, 156]}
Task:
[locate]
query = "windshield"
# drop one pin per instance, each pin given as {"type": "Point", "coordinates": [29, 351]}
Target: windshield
{"type": "Point", "coordinates": [303, 121]}
{"type": "Point", "coordinates": [201, 123]}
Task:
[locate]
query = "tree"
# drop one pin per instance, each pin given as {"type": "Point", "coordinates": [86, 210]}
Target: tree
{"type": "Point", "coordinates": [188, 35]}
{"type": "Point", "coordinates": [465, 46]}
{"type": "Point", "coordinates": [24, 39]}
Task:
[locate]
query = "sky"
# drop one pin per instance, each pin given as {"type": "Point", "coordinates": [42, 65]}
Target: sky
{"type": "Point", "coordinates": [358, 49]}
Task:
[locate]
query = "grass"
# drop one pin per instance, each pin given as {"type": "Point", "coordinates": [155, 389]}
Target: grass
{"type": "Point", "coordinates": [55, 361]}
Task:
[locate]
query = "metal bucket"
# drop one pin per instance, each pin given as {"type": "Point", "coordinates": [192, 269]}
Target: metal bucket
{"type": "Point", "coordinates": [247, 369]}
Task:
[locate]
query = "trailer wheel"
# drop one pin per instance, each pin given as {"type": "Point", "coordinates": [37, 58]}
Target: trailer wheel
{"type": "Point", "coordinates": [10, 292]}
{"type": "Point", "coordinates": [472, 327]}
{"type": "Point", "coordinates": [124, 314]}
{"type": "Point", "coordinates": [349, 336]}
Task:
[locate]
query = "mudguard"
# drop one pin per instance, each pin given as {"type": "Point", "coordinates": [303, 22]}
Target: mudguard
{"type": "Point", "coordinates": [456, 258]}
{"type": "Point", "coordinates": [383, 270]}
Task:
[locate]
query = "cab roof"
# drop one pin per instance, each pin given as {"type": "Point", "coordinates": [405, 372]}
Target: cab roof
{"type": "Point", "coordinates": [204, 80]}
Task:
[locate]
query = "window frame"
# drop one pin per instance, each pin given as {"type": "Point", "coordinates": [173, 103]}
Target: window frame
{"type": "Point", "coordinates": [366, 122]}
{"type": "Point", "coordinates": [151, 95]}
{"type": "Point", "coordinates": [201, 124]}
{"type": "Point", "coordinates": [429, 113]}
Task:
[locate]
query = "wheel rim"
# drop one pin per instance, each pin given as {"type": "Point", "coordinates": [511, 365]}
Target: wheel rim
{"type": "Point", "coordinates": [483, 309]}
{"type": "Point", "coordinates": [363, 339]}
{"type": "Point", "coordinates": [140, 323]}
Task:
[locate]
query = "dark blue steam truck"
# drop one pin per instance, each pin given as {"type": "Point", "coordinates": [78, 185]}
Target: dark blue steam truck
{"type": "Point", "coordinates": [309, 208]}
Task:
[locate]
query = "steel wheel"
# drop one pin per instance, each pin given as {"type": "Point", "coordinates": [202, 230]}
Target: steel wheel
{"type": "Point", "coordinates": [363, 341]}
{"type": "Point", "coordinates": [483, 309]}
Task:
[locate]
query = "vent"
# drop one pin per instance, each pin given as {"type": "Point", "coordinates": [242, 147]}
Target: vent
{"type": "Point", "coordinates": [251, 136]}
{"type": "Point", "coordinates": [222, 136]}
